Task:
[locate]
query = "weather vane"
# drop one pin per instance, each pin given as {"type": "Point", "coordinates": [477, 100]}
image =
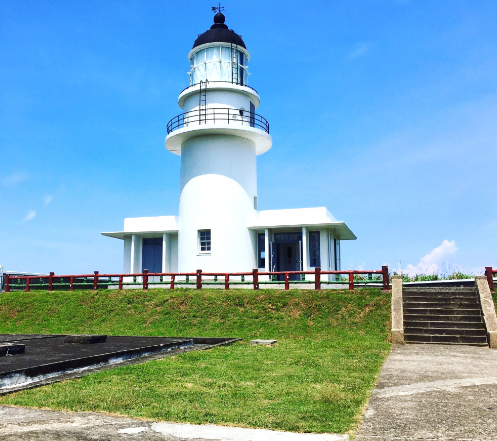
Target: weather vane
{"type": "Point", "coordinates": [218, 8]}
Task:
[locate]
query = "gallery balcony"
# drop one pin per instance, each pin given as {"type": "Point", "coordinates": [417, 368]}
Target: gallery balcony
{"type": "Point", "coordinates": [218, 120]}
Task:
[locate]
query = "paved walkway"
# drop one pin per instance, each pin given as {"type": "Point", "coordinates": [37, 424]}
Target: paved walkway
{"type": "Point", "coordinates": [434, 392]}
{"type": "Point", "coordinates": [17, 423]}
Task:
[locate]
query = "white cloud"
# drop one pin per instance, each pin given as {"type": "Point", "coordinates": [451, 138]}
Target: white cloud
{"type": "Point", "coordinates": [47, 199]}
{"type": "Point", "coordinates": [432, 262]}
{"type": "Point", "coordinates": [30, 215]}
{"type": "Point", "coordinates": [361, 49]}
{"type": "Point", "coordinates": [14, 179]}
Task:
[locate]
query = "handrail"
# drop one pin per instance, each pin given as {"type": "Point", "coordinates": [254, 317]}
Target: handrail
{"type": "Point", "coordinates": [97, 278]}
{"type": "Point", "coordinates": [217, 114]}
{"type": "Point", "coordinates": [211, 82]}
{"type": "Point", "coordinates": [489, 273]}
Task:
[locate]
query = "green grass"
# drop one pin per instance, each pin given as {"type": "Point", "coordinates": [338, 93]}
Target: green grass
{"type": "Point", "coordinates": [317, 379]}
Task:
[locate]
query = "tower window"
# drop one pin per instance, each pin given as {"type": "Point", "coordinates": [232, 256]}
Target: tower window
{"type": "Point", "coordinates": [204, 241]}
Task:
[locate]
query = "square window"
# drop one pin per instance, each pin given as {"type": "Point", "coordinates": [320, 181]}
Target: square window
{"type": "Point", "coordinates": [204, 241]}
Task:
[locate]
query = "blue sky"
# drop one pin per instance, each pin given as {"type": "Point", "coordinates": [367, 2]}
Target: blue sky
{"type": "Point", "coordinates": [383, 111]}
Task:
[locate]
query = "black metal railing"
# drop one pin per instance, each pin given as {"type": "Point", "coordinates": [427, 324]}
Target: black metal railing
{"type": "Point", "coordinates": [213, 115]}
{"type": "Point", "coordinates": [213, 83]}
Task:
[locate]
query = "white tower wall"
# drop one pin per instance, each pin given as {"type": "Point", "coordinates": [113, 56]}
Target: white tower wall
{"type": "Point", "coordinates": [218, 186]}
{"type": "Point", "coordinates": [220, 98]}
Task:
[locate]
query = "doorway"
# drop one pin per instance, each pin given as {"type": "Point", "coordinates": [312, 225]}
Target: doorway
{"type": "Point", "coordinates": [287, 254]}
{"type": "Point", "coordinates": [152, 256]}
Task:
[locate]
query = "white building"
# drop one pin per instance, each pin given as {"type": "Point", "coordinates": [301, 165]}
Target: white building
{"type": "Point", "coordinates": [219, 228]}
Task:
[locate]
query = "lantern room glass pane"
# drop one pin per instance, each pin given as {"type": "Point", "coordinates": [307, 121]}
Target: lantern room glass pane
{"type": "Point", "coordinates": [218, 64]}
{"type": "Point", "coordinates": [199, 57]}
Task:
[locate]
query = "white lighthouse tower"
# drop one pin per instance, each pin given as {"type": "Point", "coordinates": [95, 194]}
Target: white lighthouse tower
{"type": "Point", "coordinates": [218, 137]}
{"type": "Point", "coordinates": [219, 227]}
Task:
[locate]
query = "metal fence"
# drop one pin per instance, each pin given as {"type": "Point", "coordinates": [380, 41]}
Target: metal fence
{"type": "Point", "coordinates": [199, 278]}
{"type": "Point", "coordinates": [215, 115]}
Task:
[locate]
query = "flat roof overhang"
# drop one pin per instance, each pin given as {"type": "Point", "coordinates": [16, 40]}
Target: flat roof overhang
{"type": "Point", "coordinates": [149, 234]}
{"type": "Point", "coordinates": [340, 229]}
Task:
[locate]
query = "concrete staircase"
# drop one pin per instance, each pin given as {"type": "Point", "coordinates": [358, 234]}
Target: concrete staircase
{"type": "Point", "coordinates": [443, 316]}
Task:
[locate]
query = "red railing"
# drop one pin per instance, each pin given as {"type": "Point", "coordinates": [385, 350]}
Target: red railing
{"type": "Point", "coordinates": [489, 273]}
{"type": "Point", "coordinates": [97, 278]}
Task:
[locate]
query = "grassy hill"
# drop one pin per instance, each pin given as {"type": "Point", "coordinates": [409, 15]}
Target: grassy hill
{"type": "Point", "coordinates": [331, 345]}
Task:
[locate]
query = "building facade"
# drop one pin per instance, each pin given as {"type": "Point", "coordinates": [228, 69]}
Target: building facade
{"type": "Point", "coordinates": [219, 227]}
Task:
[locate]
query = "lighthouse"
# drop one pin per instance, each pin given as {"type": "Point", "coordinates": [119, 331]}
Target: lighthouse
{"type": "Point", "coordinates": [218, 136]}
{"type": "Point", "coordinates": [219, 228]}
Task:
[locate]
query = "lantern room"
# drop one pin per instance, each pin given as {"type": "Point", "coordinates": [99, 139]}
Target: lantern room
{"type": "Point", "coordinates": [219, 54]}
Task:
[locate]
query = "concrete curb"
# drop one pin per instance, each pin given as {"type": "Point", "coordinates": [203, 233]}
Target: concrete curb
{"type": "Point", "coordinates": [17, 423]}
{"type": "Point", "coordinates": [488, 308]}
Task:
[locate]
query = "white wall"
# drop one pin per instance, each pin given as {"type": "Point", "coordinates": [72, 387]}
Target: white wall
{"type": "Point", "coordinates": [146, 224]}
{"type": "Point", "coordinates": [230, 156]}
{"type": "Point", "coordinates": [220, 204]}
{"type": "Point", "coordinates": [220, 98]}
{"type": "Point", "coordinates": [218, 184]}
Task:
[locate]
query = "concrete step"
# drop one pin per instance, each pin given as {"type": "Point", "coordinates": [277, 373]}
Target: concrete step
{"type": "Point", "coordinates": [461, 304]}
{"type": "Point", "coordinates": [408, 318]}
{"type": "Point", "coordinates": [440, 295]}
{"type": "Point", "coordinates": [444, 324]}
{"type": "Point", "coordinates": [452, 290]}
{"type": "Point", "coordinates": [446, 343]}
{"type": "Point", "coordinates": [443, 311]}
{"type": "Point", "coordinates": [444, 331]}
{"type": "Point", "coordinates": [424, 338]}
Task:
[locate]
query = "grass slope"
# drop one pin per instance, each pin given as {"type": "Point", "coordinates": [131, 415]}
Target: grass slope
{"type": "Point", "coordinates": [317, 379]}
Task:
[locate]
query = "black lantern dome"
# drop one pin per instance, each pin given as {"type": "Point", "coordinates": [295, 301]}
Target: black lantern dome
{"type": "Point", "coordinates": [219, 33]}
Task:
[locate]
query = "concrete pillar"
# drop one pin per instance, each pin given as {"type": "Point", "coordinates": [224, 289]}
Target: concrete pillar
{"type": "Point", "coordinates": [266, 247]}
{"type": "Point", "coordinates": [135, 246]}
{"type": "Point", "coordinates": [304, 249]}
{"type": "Point", "coordinates": [166, 253]}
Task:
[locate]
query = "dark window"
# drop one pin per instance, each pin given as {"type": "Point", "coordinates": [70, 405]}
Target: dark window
{"type": "Point", "coordinates": [261, 247]}
{"type": "Point", "coordinates": [204, 241]}
{"type": "Point", "coordinates": [287, 237]}
{"type": "Point", "coordinates": [314, 248]}
{"type": "Point", "coordinates": [252, 114]}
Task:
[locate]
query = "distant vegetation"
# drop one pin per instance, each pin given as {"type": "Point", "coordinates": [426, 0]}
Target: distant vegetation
{"type": "Point", "coordinates": [429, 277]}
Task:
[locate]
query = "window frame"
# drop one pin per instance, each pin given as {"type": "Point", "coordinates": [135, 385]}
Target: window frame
{"type": "Point", "coordinates": [208, 242]}
{"type": "Point", "coordinates": [314, 246]}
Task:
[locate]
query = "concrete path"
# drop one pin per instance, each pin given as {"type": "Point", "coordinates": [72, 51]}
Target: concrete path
{"type": "Point", "coordinates": [434, 392]}
{"type": "Point", "coordinates": [17, 423]}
